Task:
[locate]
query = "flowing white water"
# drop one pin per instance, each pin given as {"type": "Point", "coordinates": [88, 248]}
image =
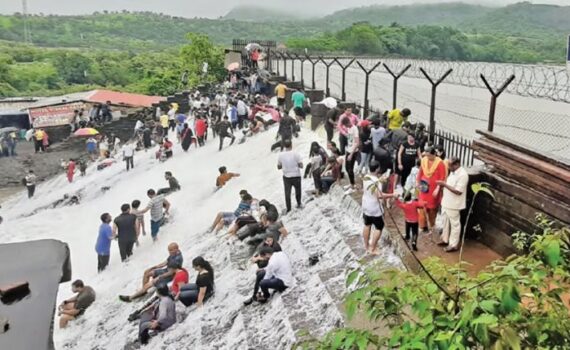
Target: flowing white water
{"type": "Point", "coordinates": [322, 227]}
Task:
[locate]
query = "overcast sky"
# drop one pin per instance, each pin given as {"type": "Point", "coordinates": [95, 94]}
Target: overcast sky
{"type": "Point", "coordinates": [208, 8]}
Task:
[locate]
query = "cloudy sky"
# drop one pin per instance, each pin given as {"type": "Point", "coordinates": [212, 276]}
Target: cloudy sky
{"type": "Point", "coordinates": [209, 8]}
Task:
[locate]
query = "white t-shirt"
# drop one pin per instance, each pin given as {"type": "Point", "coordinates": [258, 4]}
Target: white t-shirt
{"type": "Point", "coordinates": [289, 162]}
{"type": "Point", "coordinates": [371, 205]}
{"type": "Point", "coordinates": [352, 137]}
{"type": "Point", "coordinates": [279, 267]}
{"type": "Point", "coordinates": [241, 107]}
{"type": "Point", "coordinates": [457, 179]}
{"type": "Point", "coordinates": [128, 150]}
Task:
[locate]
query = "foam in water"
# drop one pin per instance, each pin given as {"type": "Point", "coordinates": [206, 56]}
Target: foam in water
{"type": "Point", "coordinates": [223, 322]}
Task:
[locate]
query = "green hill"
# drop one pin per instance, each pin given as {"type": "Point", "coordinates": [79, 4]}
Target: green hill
{"type": "Point", "coordinates": [450, 14]}
{"type": "Point", "coordinates": [262, 14]}
{"type": "Point", "coordinates": [523, 20]}
{"type": "Point", "coordinates": [138, 31]}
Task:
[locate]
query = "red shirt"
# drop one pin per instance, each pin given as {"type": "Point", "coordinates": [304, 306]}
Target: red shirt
{"type": "Point", "coordinates": [200, 127]}
{"type": "Point", "coordinates": [180, 277]}
{"type": "Point", "coordinates": [410, 209]}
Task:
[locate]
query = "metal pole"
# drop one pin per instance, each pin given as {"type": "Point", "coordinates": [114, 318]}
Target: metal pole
{"type": "Point", "coordinates": [395, 85]}
{"type": "Point", "coordinates": [327, 65]}
{"type": "Point", "coordinates": [313, 63]}
{"type": "Point", "coordinates": [343, 93]}
{"type": "Point", "coordinates": [284, 65]}
{"type": "Point", "coordinates": [494, 96]}
{"type": "Point", "coordinates": [367, 73]}
{"type": "Point", "coordinates": [434, 86]}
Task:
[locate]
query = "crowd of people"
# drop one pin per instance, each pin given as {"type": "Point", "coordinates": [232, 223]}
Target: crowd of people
{"type": "Point", "coordinates": [385, 157]}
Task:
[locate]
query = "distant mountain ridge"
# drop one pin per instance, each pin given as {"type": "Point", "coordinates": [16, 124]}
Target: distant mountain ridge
{"type": "Point", "coordinates": [263, 14]}
{"type": "Point", "coordinates": [151, 31]}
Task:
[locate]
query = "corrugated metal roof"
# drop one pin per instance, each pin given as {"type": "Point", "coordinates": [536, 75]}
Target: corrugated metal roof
{"type": "Point", "coordinates": [101, 96]}
{"type": "Point", "coordinates": [124, 98]}
{"type": "Point", "coordinates": [57, 100]}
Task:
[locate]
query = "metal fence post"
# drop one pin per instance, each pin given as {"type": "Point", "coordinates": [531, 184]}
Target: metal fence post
{"type": "Point", "coordinates": [327, 65]}
{"type": "Point", "coordinates": [395, 86]}
{"type": "Point", "coordinates": [366, 83]}
{"type": "Point", "coordinates": [292, 58]}
{"type": "Point", "coordinates": [302, 59]}
{"type": "Point", "coordinates": [432, 106]}
{"type": "Point", "coordinates": [494, 96]}
{"type": "Point", "coordinates": [343, 93]}
{"type": "Point", "coordinates": [284, 57]}
{"type": "Point", "coordinates": [313, 63]}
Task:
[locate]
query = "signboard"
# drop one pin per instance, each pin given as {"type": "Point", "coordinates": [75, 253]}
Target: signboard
{"type": "Point", "coordinates": [43, 117]}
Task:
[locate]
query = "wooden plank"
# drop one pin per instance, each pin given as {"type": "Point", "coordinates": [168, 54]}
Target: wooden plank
{"type": "Point", "coordinates": [550, 158]}
{"type": "Point", "coordinates": [558, 210]}
{"type": "Point", "coordinates": [544, 183]}
{"type": "Point", "coordinates": [524, 158]}
{"type": "Point", "coordinates": [513, 168]}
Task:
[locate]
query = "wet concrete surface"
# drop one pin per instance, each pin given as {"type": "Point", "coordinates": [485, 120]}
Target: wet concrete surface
{"type": "Point", "coordinates": [44, 165]}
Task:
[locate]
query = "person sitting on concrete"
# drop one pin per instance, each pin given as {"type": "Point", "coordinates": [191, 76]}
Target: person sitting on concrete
{"type": "Point", "coordinates": [74, 307]}
{"type": "Point", "coordinates": [157, 317]}
{"type": "Point", "coordinates": [173, 184]}
{"type": "Point", "coordinates": [227, 218]}
{"type": "Point", "coordinates": [197, 293]}
{"type": "Point", "coordinates": [276, 275]}
{"type": "Point", "coordinates": [160, 274]}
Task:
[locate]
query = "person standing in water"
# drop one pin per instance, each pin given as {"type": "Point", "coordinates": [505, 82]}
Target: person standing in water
{"type": "Point", "coordinates": [372, 208]}
{"type": "Point", "coordinates": [30, 181]}
{"type": "Point", "coordinates": [291, 164]}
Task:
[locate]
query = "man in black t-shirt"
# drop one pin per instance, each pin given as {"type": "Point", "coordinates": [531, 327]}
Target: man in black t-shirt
{"type": "Point", "coordinates": [225, 130]}
{"type": "Point", "coordinates": [125, 228]}
{"type": "Point", "coordinates": [173, 184]}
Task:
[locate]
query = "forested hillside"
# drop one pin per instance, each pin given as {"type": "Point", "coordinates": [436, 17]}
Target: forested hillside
{"type": "Point", "coordinates": [146, 52]}
{"type": "Point", "coordinates": [145, 30]}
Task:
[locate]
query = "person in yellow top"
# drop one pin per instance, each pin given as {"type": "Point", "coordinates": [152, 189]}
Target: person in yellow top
{"type": "Point", "coordinates": [396, 118]}
{"type": "Point", "coordinates": [164, 124]}
{"type": "Point", "coordinates": [281, 92]}
{"type": "Point", "coordinates": [39, 140]}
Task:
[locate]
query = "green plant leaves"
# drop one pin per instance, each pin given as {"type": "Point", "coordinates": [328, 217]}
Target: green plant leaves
{"type": "Point", "coordinates": [352, 277]}
{"type": "Point", "coordinates": [510, 298]}
{"type": "Point", "coordinates": [551, 251]}
{"type": "Point", "coordinates": [482, 187]}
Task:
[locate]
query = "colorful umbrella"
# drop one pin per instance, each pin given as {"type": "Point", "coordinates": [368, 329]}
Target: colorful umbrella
{"type": "Point", "coordinates": [86, 132]}
{"type": "Point", "coordinates": [233, 66]}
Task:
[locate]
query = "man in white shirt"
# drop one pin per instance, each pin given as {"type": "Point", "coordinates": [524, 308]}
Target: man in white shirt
{"type": "Point", "coordinates": [128, 155]}
{"type": "Point", "coordinates": [278, 274]}
{"type": "Point", "coordinates": [372, 209]}
{"type": "Point", "coordinates": [452, 202]}
{"type": "Point", "coordinates": [290, 162]}
{"type": "Point", "coordinates": [352, 150]}
{"type": "Point", "coordinates": [242, 111]}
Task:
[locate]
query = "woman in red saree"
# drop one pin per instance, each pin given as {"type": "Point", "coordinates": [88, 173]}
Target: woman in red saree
{"type": "Point", "coordinates": [432, 169]}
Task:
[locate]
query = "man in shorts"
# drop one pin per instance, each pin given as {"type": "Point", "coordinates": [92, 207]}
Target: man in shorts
{"type": "Point", "coordinates": [372, 209]}
{"type": "Point", "coordinates": [281, 93]}
{"type": "Point", "coordinates": [226, 218]}
{"type": "Point", "coordinates": [160, 274]}
{"type": "Point", "coordinates": [74, 307]}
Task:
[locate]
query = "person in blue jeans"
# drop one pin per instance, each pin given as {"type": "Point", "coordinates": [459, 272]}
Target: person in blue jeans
{"type": "Point", "coordinates": [277, 275]}
{"type": "Point", "coordinates": [103, 245]}
{"type": "Point", "coordinates": [203, 289]}
{"type": "Point", "coordinates": [159, 207]}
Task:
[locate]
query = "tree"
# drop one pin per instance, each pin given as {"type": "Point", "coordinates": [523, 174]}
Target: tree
{"type": "Point", "coordinates": [73, 67]}
{"type": "Point", "coordinates": [200, 50]}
